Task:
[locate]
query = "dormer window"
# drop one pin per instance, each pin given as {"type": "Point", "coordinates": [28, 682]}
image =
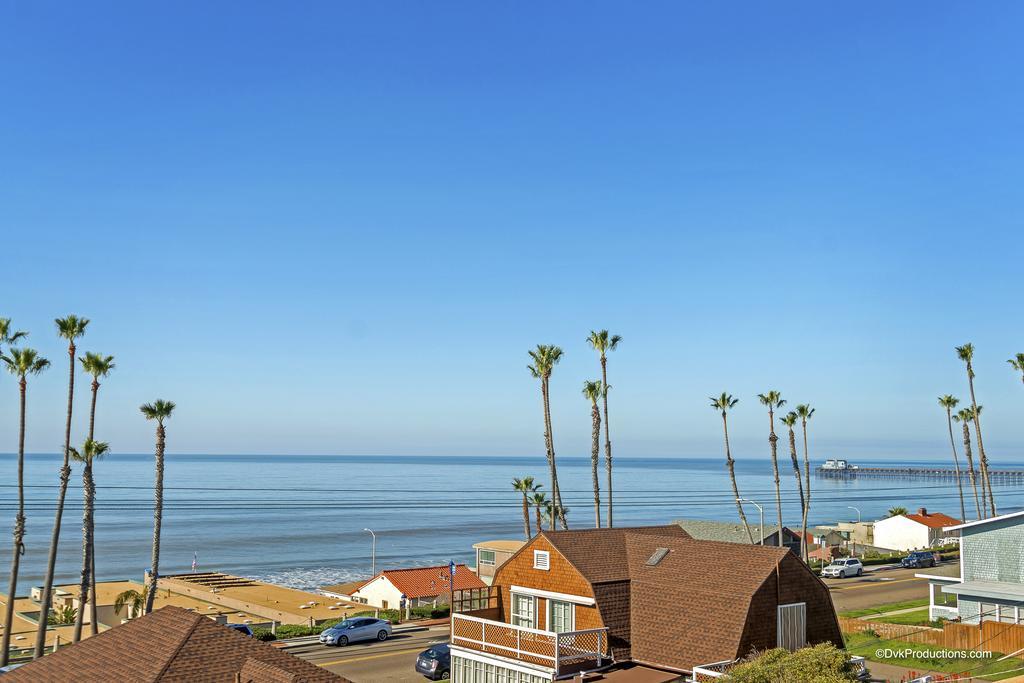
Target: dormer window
{"type": "Point", "coordinates": [541, 559]}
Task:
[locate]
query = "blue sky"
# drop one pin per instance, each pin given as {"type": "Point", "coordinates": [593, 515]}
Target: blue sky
{"type": "Point", "coordinates": [338, 228]}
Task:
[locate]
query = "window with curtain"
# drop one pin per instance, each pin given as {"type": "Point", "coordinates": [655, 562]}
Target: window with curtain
{"type": "Point", "coordinates": [523, 611]}
{"type": "Point", "coordinates": [560, 616]}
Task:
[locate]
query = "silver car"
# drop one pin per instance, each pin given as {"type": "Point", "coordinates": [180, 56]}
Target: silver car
{"type": "Point", "coordinates": [843, 567]}
{"type": "Point", "coordinates": [356, 629]}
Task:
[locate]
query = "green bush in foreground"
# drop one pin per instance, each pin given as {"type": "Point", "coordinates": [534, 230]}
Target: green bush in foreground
{"type": "Point", "coordinates": [823, 663]}
{"type": "Point", "coordinates": [263, 634]}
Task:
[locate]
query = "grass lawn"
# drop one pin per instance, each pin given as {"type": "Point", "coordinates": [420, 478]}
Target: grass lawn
{"type": "Point", "coordinates": [891, 607]}
{"type": "Point", "coordinates": [918, 617]}
{"type": "Point", "coordinates": [866, 645]}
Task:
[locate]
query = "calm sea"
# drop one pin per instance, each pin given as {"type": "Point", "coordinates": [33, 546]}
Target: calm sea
{"type": "Point", "coordinates": [299, 520]}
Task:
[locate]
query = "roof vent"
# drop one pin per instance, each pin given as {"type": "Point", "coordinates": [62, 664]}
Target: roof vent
{"type": "Point", "coordinates": [657, 557]}
{"type": "Point", "coordinates": [922, 511]}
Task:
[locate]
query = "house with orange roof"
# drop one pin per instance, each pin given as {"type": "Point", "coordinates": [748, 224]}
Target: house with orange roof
{"type": "Point", "coordinates": [914, 531]}
{"type": "Point", "coordinates": [420, 586]}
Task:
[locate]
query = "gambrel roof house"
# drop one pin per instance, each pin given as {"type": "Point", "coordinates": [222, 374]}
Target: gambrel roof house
{"type": "Point", "coordinates": [573, 601]}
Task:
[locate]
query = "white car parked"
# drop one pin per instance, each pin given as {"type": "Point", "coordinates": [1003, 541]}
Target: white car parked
{"type": "Point", "coordinates": [843, 567]}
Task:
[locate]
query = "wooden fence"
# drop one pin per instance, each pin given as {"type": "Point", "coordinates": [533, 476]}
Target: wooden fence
{"type": "Point", "coordinates": [989, 636]}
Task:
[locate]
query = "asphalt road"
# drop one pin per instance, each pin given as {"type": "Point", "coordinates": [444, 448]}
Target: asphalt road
{"type": "Point", "coordinates": [392, 660]}
{"type": "Point", "coordinates": [884, 586]}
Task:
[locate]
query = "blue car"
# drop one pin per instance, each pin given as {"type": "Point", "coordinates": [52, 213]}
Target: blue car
{"type": "Point", "coordinates": [435, 662]}
{"type": "Point", "coordinates": [355, 630]}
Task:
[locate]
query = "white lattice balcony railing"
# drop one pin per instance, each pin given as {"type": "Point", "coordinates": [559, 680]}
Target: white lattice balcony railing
{"type": "Point", "coordinates": [706, 673]}
{"type": "Point", "coordinates": [572, 651]}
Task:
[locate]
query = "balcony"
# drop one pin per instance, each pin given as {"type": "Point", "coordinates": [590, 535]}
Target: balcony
{"type": "Point", "coordinates": [559, 654]}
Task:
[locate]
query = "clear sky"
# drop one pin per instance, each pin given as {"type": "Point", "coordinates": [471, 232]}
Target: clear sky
{"type": "Point", "coordinates": [338, 227]}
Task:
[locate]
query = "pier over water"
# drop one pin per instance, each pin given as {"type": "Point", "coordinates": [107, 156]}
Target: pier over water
{"type": "Point", "coordinates": [1004, 476]}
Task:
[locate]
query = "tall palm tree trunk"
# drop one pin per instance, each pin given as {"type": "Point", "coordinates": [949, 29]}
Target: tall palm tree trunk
{"type": "Point", "coordinates": [595, 452]}
{"type": "Point", "coordinates": [807, 489]}
{"type": "Point", "coordinates": [526, 516]}
{"type": "Point", "coordinates": [956, 464]}
{"type": "Point", "coordinates": [799, 483]}
{"type": "Point", "coordinates": [773, 442]}
{"type": "Point", "coordinates": [158, 515]}
{"type": "Point", "coordinates": [970, 469]}
{"type": "Point", "coordinates": [18, 547]}
{"type": "Point", "coordinates": [607, 438]}
{"type": "Point", "coordinates": [65, 476]}
{"type": "Point", "coordinates": [88, 490]}
{"type": "Point", "coordinates": [556, 495]}
{"type": "Point", "coordinates": [93, 620]}
{"type": "Point", "coordinates": [986, 482]}
{"type": "Point", "coordinates": [540, 520]}
{"type": "Point", "coordinates": [730, 465]}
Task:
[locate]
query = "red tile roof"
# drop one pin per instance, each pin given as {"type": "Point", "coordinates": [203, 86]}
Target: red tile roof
{"type": "Point", "coordinates": [171, 645]}
{"type": "Point", "coordinates": [426, 582]}
{"type": "Point", "coordinates": [933, 520]}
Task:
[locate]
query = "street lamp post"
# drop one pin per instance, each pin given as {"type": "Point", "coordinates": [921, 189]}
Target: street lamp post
{"type": "Point", "coordinates": [855, 530]}
{"type": "Point", "coordinates": [373, 554]}
{"type": "Point", "coordinates": [760, 511]}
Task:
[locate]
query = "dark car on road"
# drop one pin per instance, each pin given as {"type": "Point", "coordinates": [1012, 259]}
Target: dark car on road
{"type": "Point", "coordinates": [435, 662]}
{"type": "Point", "coordinates": [918, 560]}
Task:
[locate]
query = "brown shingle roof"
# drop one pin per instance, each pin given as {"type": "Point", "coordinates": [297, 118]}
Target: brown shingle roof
{"type": "Point", "coordinates": [426, 582]}
{"type": "Point", "coordinates": [171, 645]}
{"type": "Point", "coordinates": [694, 605]}
{"type": "Point", "coordinates": [600, 554]}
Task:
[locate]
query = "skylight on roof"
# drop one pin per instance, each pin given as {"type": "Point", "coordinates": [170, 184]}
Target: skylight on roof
{"type": "Point", "coordinates": [657, 557]}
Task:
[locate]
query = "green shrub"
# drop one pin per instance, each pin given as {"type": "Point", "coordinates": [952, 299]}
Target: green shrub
{"type": "Point", "coordinates": [263, 634]}
{"type": "Point", "coordinates": [823, 663]}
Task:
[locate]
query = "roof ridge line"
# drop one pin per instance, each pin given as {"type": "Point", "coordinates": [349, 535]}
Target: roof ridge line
{"type": "Point", "coordinates": [185, 639]}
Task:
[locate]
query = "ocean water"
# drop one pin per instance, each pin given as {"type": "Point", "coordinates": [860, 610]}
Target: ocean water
{"type": "Point", "coordinates": [298, 520]}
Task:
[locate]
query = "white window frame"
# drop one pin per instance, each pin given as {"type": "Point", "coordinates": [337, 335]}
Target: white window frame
{"type": "Point", "coordinates": [517, 615]}
{"type": "Point", "coordinates": [542, 560]}
{"type": "Point", "coordinates": [551, 615]}
{"type": "Point", "coordinates": [491, 562]}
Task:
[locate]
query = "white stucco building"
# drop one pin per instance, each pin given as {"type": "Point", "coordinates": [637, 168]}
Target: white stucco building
{"type": "Point", "coordinates": [420, 586]}
{"type": "Point", "coordinates": [914, 531]}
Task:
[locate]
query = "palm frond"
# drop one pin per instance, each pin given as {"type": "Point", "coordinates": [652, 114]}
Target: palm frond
{"type": "Point", "coordinates": [97, 364]}
{"type": "Point", "coordinates": [23, 362]}
{"type": "Point", "coordinates": [71, 327]}
{"type": "Point", "coordinates": [158, 410]}
{"type": "Point", "coordinates": [948, 401]}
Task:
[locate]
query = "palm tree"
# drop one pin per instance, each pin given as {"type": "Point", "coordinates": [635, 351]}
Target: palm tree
{"type": "Point", "coordinates": [6, 336]}
{"type": "Point", "coordinates": [21, 363]}
{"type": "Point", "coordinates": [525, 486]}
{"type": "Point", "coordinates": [986, 480]}
{"type": "Point", "coordinates": [774, 400]}
{"type": "Point", "coordinates": [966, 354]}
{"type": "Point", "coordinates": [552, 513]}
{"type": "Point", "coordinates": [64, 616]}
{"type": "Point", "coordinates": [897, 510]}
{"type": "Point", "coordinates": [964, 417]}
{"type": "Point", "coordinates": [134, 600]}
{"type": "Point", "coordinates": [806, 412]}
{"type": "Point", "coordinates": [70, 328]}
{"type": "Point", "coordinates": [97, 365]}
{"type": "Point", "coordinates": [592, 391]}
{"type": "Point", "coordinates": [545, 358]}
{"type": "Point", "coordinates": [789, 419]}
{"type": "Point", "coordinates": [949, 402]}
{"type": "Point", "coordinates": [1017, 364]}
{"type": "Point", "coordinates": [91, 451]}
{"type": "Point", "coordinates": [158, 410]}
{"type": "Point", "coordinates": [602, 343]}
{"type": "Point", "coordinates": [540, 502]}
{"type": "Point", "coordinates": [724, 403]}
